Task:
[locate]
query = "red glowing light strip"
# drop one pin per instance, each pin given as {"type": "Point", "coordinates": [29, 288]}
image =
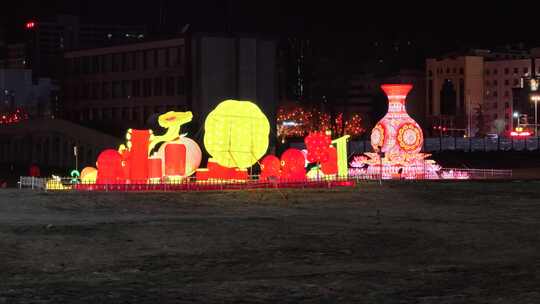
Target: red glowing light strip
{"type": "Point", "coordinates": [520, 134]}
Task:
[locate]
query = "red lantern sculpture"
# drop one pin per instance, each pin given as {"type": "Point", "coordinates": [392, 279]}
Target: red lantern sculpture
{"type": "Point", "coordinates": [154, 167]}
{"type": "Point", "coordinates": [138, 155]}
{"type": "Point", "coordinates": [109, 164]}
{"type": "Point", "coordinates": [292, 165]}
{"type": "Point", "coordinates": [270, 167]}
{"type": "Point", "coordinates": [330, 166]}
{"type": "Point", "coordinates": [175, 159]}
{"type": "Point", "coordinates": [318, 145]}
{"type": "Point", "coordinates": [217, 172]}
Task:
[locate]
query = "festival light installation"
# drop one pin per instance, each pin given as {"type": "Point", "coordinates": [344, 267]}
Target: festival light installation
{"type": "Point", "coordinates": [236, 134]}
{"type": "Point", "coordinates": [292, 165]}
{"type": "Point", "coordinates": [88, 175]}
{"type": "Point", "coordinates": [270, 167]}
{"type": "Point", "coordinates": [318, 145]}
{"type": "Point", "coordinates": [341, 154]}
{"type": "Point", "coordinates": [397, 140]}
{"type": "Point", "coordinates": [109, 166]}
{"type": "Point", "coordinates": [299, 122]}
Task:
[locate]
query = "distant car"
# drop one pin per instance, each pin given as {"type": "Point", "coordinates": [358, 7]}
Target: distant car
{"type": "Point", "coordinates": [492, 136]}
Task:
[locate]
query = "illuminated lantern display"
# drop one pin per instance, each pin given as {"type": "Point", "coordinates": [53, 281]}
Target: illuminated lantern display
{"type": "Point", "coordinates": [155, 173]}
{"type": "Point", "coordinates": [400, 140]}
{"type": "Point", "coordinates": [341, 145]}
{"type": "Point", "coordinates": [318, 145]}
{"type": "Point", "coordinates": [270, 167]}
{"type": "Point", "coordinates": [175, 160]}
{"type": "Point", "coordinates": [109, 164]}
{"type": "Point", "coordinates": [89, 175]}
{"type": "Point", "coordinates": [191, 160]}
{"type": "Point", "coordinates": [172, 122]}
{"type": "Point", "coordinates": [236, 134]}
{"type": "Point", "coordinates": [137, 156]}
{"type": "Point", "coordinates": [292, 165]}
{"type": "Point", "coordinates": [397, 133]}
{"type": "Point", "coordinates": [216, 172]}
{"type": "Point", "coordinates": [330, 165]}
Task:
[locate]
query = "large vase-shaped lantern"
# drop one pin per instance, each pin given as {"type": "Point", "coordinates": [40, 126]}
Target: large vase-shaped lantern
{"type": "Point", "coordinates": [397, 134]}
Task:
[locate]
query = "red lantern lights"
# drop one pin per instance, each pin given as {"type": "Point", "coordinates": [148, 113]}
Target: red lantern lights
{"type": "Point", "coordinates": [292, 165]}
{"type": "Point", "coordinates": [318, 146]}
{"type": "Point", "coordinates": [270, 167]}
{"type": "Point", "coordinates": [109, 164]}
{"type": "Point", "coordinates": [330, 166]}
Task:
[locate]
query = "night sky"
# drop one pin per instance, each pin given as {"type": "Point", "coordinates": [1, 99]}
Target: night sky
{"type": "Point", "coordinates": [432, 28]}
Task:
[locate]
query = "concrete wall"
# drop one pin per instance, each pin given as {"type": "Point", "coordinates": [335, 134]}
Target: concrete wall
{"type": "Point", "coordinates": [240, 68]}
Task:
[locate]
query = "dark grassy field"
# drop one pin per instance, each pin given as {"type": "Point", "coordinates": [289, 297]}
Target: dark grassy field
{"type": "Point", "coordinates": [470, 242]}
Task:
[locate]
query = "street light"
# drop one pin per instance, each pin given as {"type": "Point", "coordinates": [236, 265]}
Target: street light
{"type": "Point", "coordinates": [516, 116]}
{"type": "Point", "coordinates": [535, 98]}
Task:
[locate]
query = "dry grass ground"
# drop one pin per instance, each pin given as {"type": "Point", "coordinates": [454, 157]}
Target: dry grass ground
{"type": "Point", "coordinates": [470, 242]}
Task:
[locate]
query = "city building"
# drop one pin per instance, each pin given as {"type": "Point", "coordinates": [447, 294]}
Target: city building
{"type": "Point", "coordinates": [13, 56]}
{"type": "Point", "coordinates": [472, 92]}
{"type": "Point", "coordinates": [46, 40]}
{"type": "Point", "coordinates": [118, 87]}
{"type": "Point", "coordinates": [18, 91]}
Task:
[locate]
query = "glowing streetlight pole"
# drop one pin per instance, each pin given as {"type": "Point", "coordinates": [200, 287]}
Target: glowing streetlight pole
{"type": "Point", "coordinates": [535, 98]}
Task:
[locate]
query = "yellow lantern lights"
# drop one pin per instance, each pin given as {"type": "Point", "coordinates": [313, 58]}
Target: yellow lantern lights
{"type": "Point", "coordinates": [236, 134]}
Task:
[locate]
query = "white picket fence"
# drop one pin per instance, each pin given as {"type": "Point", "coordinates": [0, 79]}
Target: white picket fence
{"type": "Point", "coordinates": [32, 182]}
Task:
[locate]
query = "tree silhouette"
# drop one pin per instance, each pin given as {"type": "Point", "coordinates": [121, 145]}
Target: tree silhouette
{"type": "Point", "coordinates": [481, 125]}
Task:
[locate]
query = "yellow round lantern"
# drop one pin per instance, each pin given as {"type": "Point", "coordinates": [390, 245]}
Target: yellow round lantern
{"type": "Point", "coordinates": [89, 175]}
{"type": "Point", "coordinates": [236, 134]}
